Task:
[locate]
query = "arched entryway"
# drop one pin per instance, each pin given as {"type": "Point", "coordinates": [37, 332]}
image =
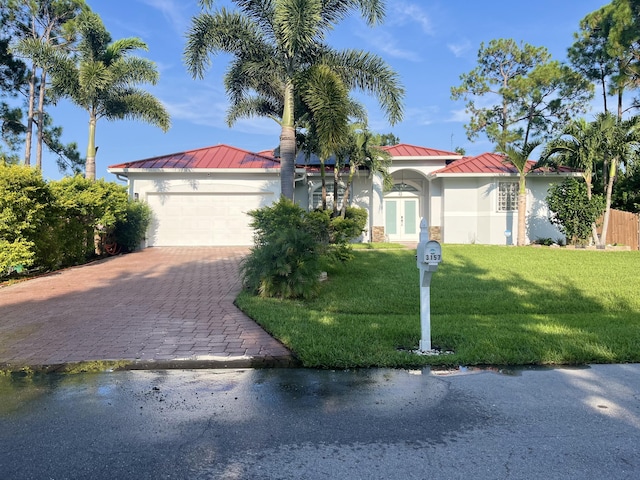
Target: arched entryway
{"type": "Point", "coordinates": [402, 209]}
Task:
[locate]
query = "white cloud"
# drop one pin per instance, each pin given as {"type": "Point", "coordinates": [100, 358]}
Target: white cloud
{"type": "Point", "coordinates": [208, 107]}
{"type": "Point", "coordinates": [405, 12]}
{"type": "Point", "coordinates": [173, 11]}
{"type": "Point", "coordinates": [387, 44]}
{"type": "Point", "coordinates": [459, 49]}
{"type": "Point", "coordinates": [422, 116]}
{"type": "Point", "coordinates": [459, 116]}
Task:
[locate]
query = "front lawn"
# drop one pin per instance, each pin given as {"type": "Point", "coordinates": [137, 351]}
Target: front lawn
{"type": "Point", "coordinates": [490, 305]}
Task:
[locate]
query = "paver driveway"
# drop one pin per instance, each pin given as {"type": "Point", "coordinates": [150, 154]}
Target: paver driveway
{"type": "Point", "coordinates": [159, 306]}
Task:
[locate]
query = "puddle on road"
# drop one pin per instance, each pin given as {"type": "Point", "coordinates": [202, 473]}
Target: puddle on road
{"type": "Point", "coordinates": [509, 370]}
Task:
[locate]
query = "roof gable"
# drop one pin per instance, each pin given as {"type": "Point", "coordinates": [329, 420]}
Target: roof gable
{"type": "Point", "coordinates": [218, 156]}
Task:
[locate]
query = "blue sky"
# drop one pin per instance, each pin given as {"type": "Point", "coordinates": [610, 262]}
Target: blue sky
{"type": "Point", "coordinates": [430, 43]}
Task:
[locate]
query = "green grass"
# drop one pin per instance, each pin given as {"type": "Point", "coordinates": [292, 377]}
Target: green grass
{"type": "Point", "coordinates": [490, 305]}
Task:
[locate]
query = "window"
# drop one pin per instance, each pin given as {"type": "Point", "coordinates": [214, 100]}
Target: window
{"type": "Point", "coordinates": [507, 196]}
{"type": "Point", "coordinates": [317, 196]}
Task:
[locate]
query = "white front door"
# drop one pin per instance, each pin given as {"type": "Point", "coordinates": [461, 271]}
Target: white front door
{"type": "Point", "coordinates": [401, 219]}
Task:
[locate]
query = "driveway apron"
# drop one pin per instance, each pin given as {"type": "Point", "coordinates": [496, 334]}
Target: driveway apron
{"type": "Point", "coordinates": [156, 307]}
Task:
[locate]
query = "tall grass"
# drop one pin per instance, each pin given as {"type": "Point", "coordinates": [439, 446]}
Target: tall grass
{"type": "Point", "coordinates": [489, 305]}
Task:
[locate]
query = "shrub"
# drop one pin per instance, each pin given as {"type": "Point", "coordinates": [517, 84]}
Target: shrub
{"type": "Point", "coordinates": [572, 211]}
{"type": "Point", "coordinates": [15, 255]}
{"type": "Point", "coordinates": [286, 267]}
{"type": "Point", "coordinates": [292, 246]}
{"type": "Point", "coordinates": [285, 260]}
{"type": "Point", "coordinates": [88, 208]}
{"type": "Point", "coordinates": [129, 231]}
{"type": "Point", "coordinates": [27, 220]}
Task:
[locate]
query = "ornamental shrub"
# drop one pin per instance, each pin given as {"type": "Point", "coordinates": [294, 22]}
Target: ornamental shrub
{"type": "Point", "coordinates": [91, 210]}
{"type": "Point", "coordinates": [292, 246]}
{"type": "Point", "coordinates": [129, 231]}
{"type": "Point", "coordinates": [285, 261]}
{"type": "Point", "coordinates": [28, 220]}
{"type": "Point", "coordinates": [572, 211]}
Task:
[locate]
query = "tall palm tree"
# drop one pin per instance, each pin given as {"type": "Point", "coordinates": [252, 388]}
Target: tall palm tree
{"type": "Point", "coordinates": [272, 44]}
{"type": "Point", "coordinates": [621, 141]}
{"type": "Point", "coordinates": [578, 146]}
{"type": "Point", "coordinates": [102, 81]}
{"type": "Point", "coordinates": [519, 157]}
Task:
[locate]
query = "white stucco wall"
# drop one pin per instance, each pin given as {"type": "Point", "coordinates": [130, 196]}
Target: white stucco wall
{"type": "Point", "coordinates": [469, 211]}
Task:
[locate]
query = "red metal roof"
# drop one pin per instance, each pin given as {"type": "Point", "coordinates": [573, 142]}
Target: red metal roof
{"type": "Point", "coordinates": [218, 156]}
{"type": "Point", "coordinates": [406, 150]}
{"type": "Point", "coordinates": [492, 163]}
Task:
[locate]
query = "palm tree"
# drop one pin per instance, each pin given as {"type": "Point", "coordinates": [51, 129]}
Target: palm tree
{"type": "Point", "coordinates": [579, 146]}
{"type": "Point", "coordinates": [621, 140]}
{"type": "Point", "coordinates": [326, 99]}
{"type": "Point", "coordinates": [273, 43]}
{"type": "Point", "coordinates": [362, 152]}
{"type": "Point", "coordinates": [102, 81]}
{"type": "Point", "coordinates": [519, 157]}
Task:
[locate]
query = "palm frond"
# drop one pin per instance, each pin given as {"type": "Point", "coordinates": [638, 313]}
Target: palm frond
{"type": "Point", "coordinates": [136, 104]}
{"type": "Point", "coordinates": [370, 73]}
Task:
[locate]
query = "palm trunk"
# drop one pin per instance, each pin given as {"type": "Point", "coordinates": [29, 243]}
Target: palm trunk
{"type": "Point", "coordinates": [43, 81]}
{"type": "Point", "coordinates": [336, 174]}
{"type": "Point", "coordinates": [594, 227]}
{"type": "Point", "coordinates": [90, 166]}
{"type": "Point", "coordinates": [287, 145]}
{"type": "Point", "coordinates": [607, 210]}
{"type": "Point", "coordinates": [347, 192]}
{"type": "Point", "coordinates": [32, 101]}
{"type": "Point", "coordinates": [323, 178]}
{"type": "Point", "coordinates": [522, 211]}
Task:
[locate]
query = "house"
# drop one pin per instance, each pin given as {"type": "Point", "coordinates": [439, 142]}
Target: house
{"type": "Point", "coordinates": [202, 196]}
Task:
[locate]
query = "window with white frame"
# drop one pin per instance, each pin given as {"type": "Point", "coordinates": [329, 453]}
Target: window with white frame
{"type": "Point", "coordinates": [507, 196]}
{"type": "Point", "coordinates": [317, 196]}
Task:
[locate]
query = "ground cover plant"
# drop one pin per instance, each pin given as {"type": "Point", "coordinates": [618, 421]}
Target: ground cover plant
{"type": "Point", "coordinates": [490, 305]}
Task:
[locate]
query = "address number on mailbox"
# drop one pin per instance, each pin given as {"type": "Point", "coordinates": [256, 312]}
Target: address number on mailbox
{"type": "Point", "coordinates": [431, 257]}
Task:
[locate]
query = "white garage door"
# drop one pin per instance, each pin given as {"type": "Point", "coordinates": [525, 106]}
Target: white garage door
{"type": "Point", "coordinates": [203, 219]}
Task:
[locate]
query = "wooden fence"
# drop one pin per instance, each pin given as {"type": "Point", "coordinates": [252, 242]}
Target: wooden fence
{"type": "Point", "coordinates": [624, 229]}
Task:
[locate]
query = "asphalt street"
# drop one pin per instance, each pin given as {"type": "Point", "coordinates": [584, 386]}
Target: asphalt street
{"type": "Point", "coordinates": [564, 423]}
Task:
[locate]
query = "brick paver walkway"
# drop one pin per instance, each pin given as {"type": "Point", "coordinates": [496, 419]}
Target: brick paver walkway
{"type": "Point", "coordinates": [170, 306]}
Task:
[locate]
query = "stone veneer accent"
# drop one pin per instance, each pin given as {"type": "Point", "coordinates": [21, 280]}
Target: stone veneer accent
{"type": "Point", "coordinates": [377, 234]}
{"type": "Point", "coordinates": [435, 233]}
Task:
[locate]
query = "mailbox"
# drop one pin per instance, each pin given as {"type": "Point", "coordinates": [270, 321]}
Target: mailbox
{"type": "Point", "coordinates": [432, 253]}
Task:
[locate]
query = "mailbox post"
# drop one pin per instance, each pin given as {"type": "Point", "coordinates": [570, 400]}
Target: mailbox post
{"type": "Point", "coordinates": [429, 256]}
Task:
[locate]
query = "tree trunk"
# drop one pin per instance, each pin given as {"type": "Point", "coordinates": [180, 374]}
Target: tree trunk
{"type": "Point", "coordinates": [287, 145]}
{"type": "Point", "coordinates": [90, 166]}
{"type": "Point", "coordinates": [32, 101]}
{"type": "Point", "coordinates": [336, 174]}
{"type": "Point", "coordinates": [323, 178]}
{"type": "Point", "coordinates": [347, 192]}
{"type": "Point", "coordinates": [607, 210]}
{"type": "Point", "coordinates": [594, 227]}
{"type": "Point", "coordinates": [40, 114]}
{"type": "Point", "coordinates": [522, 212]}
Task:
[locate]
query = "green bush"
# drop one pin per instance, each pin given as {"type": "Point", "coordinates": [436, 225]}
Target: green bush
{"type": "Point", "coordinates": [91, 210]}
{"type": "Point", "coordinates": [14, 256]}
{"type": "Point", "coordinates": [572, 211]}
{"type": "Point", "coordinates": [287, 266]}
{"type": "Point", "coordinates": [285, 260]}
{"type": "Point", "coordinates": [28, 220]}
{"type": "Point", "coordinates": [130, 230]}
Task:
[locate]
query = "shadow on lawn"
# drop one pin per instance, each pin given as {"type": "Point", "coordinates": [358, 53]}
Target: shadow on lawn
{"type": "Point", "coordinates": [544, 320]}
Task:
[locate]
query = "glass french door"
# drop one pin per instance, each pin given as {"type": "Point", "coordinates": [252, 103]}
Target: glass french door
{"type": "Point", "coordinates": [401, 219]}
